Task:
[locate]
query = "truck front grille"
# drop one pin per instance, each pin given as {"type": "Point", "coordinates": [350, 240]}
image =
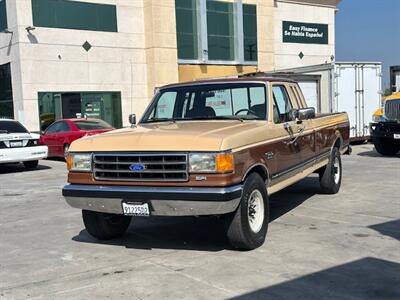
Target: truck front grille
{"type": "Point", "coordinates": [392, 110]}
{"type": "Point", "coordinates": [141, 167]}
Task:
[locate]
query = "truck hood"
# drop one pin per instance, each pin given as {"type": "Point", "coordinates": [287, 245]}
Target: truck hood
{"type": "Point", "coordinates": [168, 136]}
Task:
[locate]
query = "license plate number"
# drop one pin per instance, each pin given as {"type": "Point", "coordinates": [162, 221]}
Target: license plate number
{"type": "Point", "coordinates": [141, 210]}
{"type": "Point", "coordinates": [16, 144]}
{"type": "Point", "coordinates": [396, 136]}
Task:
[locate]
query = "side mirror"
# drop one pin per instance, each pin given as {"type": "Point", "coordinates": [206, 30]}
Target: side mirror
{"type": "Point", "coordinates": [132, 119]}
{"type": "Point", "coordinates": [306, 113]}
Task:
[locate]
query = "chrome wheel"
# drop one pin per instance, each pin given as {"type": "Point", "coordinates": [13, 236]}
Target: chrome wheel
{"type": "Point", "coordinates": [336, 170]}
{"type": "Point", "coordinates": [255, 211]}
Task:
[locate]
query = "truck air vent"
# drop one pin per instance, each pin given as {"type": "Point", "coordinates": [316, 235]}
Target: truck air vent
{"type": "Point", "coordinates": [141, 167]}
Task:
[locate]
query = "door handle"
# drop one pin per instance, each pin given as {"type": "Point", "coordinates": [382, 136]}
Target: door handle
{"type": "Point", "coordinates": [294, 140]}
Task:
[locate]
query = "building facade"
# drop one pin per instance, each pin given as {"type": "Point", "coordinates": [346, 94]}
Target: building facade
{"type": "Point", "coordinates": [104, 58]}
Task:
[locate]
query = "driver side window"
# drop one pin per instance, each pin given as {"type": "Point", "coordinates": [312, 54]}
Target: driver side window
{"type": "Point", "coordinates": [282, 104]}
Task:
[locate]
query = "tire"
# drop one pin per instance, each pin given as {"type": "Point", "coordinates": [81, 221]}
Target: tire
{"type": "Point", "coordinates": [66, 148]}
{"type": "Point", "coordinates": [386, 147]}
{"type": "Point", "coordinates": [105, 226]}
{"type": "Point", "coordinates": [243, 233]}
{"type": "Point", "coordinates": [31, 164]}
{"type": "Point", "coordinates": [330, 177]}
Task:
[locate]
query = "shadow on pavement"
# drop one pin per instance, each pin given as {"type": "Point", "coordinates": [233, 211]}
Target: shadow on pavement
{"type": "Point", "coordinates": [19, 167]}
{"type": "Point", "coordinates": [373, 153]}
{"type": "Point", "coordinates": [198, 233]}
{"type": "Point", "coordinates": [367, 278]}
{"type": "Point", "coordinates": [391, 228]}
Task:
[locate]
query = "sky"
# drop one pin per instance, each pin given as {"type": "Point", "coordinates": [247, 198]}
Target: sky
{"type": "Point", "coordinates": [369, 30]}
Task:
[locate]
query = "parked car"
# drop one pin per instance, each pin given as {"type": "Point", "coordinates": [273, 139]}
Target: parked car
{"type": "Point", "coordinates": [17, 144]}
{"type": "Point", "coordinates": [59, 135]}
{"type": "Point", "coordinates": [216, 147]}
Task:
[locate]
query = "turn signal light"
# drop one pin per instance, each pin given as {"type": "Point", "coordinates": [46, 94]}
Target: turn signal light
{"type": "Point", "coordinates": [224, 163]}
{"type": "Point", "coordinates": [69, 160]}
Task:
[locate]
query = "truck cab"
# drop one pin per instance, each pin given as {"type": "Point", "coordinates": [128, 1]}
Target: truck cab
{"type": "Point", "coordinates": [385, 129]}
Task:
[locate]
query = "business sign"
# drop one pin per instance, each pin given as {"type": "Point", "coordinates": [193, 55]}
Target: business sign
{"type": "Point", "coordinates": [304, 33]}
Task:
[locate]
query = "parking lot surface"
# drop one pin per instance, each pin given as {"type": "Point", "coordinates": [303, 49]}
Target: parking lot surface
{"type": "Point", "coordinates": [344, 246]}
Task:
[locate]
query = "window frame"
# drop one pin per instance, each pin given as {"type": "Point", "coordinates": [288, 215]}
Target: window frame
{"type": "Point", "coordinates": [202, 42]}
{"type": "Point", "coordinates": [273, 101]}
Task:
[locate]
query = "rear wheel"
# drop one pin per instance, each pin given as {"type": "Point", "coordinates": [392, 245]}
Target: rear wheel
{"type": "Point", "coordinates": [247, 227]}
{"type": "Point", "coordinates": [385, 147]}
{"type": "Point", "coordinates": [31, 164]}
{"type": "Point", "coordinates": [330, 177]}
{"type": "Point", "coordinates": [105, 226]}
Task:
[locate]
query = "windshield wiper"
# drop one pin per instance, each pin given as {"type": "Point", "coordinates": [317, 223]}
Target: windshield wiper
{"type": "Point", "coordinates": [4, 131]}
{"type": "Point", "coordinates": [214, 118]}
{"type": "Point", "coordinates": [154, 120]}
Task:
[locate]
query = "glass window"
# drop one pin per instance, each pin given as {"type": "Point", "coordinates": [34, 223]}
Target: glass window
{"type": "Point", "coordinates": [92, 125]}
{"type": "Point", "coordinates": [74, 15]}
{"type": "Point", "coordinates": [186, 29]}
{"type": "Point", "coordinates": [54, 128]}
{"type": "Point", "coordinates": [282, 105]}
{"type": "Point", "coordinates": [3, 15]}
{"type": "Point", "coordinates": [64, 127]}
{"type": "Point", "coordinates": [221, 30]}
{"type": "Point", "coordinates": [6, 96]}
{"type": "Point", "coordinates": [11, 127]}
{"type": "Point", "coordinates": [209, 101]}
{"type": "Point", "coordinates": [165, 106]}
{"type": "Point", "coordinates": [250, 32]}
{"type": "Point", "coordinates": [99, 105]}
{"type": "Point", "coordinates": [218, 22]}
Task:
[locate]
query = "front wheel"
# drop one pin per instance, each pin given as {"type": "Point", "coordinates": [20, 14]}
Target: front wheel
{"type": "Point", "coordinates": [247, 227]}
{"type": "Point", "coordinates": [386, 147]}
{"type": "Point", "coordinates": [104, 226]}
{"type": "Point", "coordinates": [330, 177]}
{"type": "Point", "coordinates": [31, 164]}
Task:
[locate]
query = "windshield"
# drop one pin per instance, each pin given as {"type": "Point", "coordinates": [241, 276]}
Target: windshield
{"type": "Point", "coordinates": [92, 125]}
{"type": "Point", "coordinates": [12, 127]}
{"type": "Point", "coordinates": [242, 101]}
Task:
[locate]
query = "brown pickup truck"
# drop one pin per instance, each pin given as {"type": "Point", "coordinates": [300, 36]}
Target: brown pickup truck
{"type": "Point", "coordinates": [215, 147]}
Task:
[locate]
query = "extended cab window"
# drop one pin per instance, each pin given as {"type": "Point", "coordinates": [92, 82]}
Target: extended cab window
{"type": "Point", "coordinates": [209, 101]}
{"type": "Point", "coordinates": [282, 104]}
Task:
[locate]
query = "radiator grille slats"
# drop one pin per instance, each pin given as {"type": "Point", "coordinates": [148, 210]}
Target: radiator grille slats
{"type": "Point", "coordinates": [392, 110]}
{"type": "Point", "coordinates": [154, 167]}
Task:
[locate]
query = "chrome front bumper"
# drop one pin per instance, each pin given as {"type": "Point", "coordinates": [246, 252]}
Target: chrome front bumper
{"type": "Point", "coordinates": [163, 201]}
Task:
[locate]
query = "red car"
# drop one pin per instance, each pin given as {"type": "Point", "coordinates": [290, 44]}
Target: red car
{"type": "Point", "coordinates": [59, 135]}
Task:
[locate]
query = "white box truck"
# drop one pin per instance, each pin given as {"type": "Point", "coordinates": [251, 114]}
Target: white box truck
{"type": "Point", "coordinates": [352, 87]}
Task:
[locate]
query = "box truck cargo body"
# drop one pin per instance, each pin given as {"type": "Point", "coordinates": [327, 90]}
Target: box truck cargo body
{"type": "Point", "coordinates": [352, 87]}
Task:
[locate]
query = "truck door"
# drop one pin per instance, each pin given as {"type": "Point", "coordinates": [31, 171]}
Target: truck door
{"type": "Point", "coordinates": [288, 154]}
{"type": "Point", "coordinates": [306, 138]}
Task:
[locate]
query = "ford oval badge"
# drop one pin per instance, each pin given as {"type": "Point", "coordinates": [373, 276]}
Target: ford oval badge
{"type": "Point", "coordinates": [137, 167]}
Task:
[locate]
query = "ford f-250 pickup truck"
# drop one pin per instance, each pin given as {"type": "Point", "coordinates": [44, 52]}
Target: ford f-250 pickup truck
{"type": "Point", "coordinates": [215, 147]}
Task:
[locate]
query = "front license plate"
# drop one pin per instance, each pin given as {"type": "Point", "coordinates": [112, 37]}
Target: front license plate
{"type": "Point", "coordinates": [16, 144]}
{"type": "Point", "coordinates": [141, 210]}
{"type": "Point", "coordinates": [396, 136]}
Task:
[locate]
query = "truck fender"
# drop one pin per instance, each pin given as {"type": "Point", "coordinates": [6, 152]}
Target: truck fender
{"type": "Point", "coordinates": [261, 169]}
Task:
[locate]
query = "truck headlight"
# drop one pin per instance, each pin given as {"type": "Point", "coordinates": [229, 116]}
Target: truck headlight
{"type": "Point", "coordinates": [79, 162]}
{"type": "Point", "coordinates": [211, 163]}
